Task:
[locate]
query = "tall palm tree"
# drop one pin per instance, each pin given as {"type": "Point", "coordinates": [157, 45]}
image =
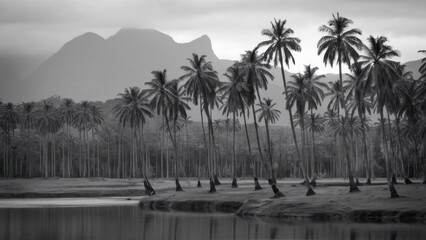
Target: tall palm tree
{"type": "Point", "coordinates": [47, 122]}
{"type": "Point", "coordinates": [166, 98]}
{"type": "Point", "coordinates": [279, 48]}
{"type": "Point", "coordinates": [68, 111]}
{"type": "Point", "coordinates": [270, 115]}
{"type": "Point", "coordinates": [315, 124]}
{"type": "Point", "coordinates": [342, 43]}
{"type": "Point", "coordinates": [299, 95]}
{"type": "Point", "coordinates": [132, 110]}
{"type": "Point", "coordinates": [256, 74]}
{"type": "Point", "coordinates": [27, 120]}
{"type": "Point", "coordinates": [360, 100]}
{"type": "Point", "coordinates": [177, 111]}
{"type": "Point", "coordinates": [81, 120]}
{"type": "Point", "coordinates": [233, 93]}
{"type": "Point", "coordinates": [316, 91]}
{"type": "Point", "coordinates": [395, 106]}
{"type": "Point", "coordinates": [9, 116]}
{"type": "Point", "coordinates": [380, 74]}
{"type": "Point", "coordinates": [202, 81]}
{"type": "Point", "coordinates": [97, 120]}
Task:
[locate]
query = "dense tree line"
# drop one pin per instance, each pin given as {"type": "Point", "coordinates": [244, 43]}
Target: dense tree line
{"type": "Point", "coordinates": [58, 137]}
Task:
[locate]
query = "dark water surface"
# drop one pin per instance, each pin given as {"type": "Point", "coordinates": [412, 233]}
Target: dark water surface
{"type": "Point", "coordinates": [105, 223]}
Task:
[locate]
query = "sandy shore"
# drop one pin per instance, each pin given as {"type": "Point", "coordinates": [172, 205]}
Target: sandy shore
{"type": "Point", "coordinates": [332, 200]}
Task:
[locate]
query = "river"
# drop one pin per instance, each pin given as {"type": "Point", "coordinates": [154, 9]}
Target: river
{"type": "Point", "coordinates": [128, 222]}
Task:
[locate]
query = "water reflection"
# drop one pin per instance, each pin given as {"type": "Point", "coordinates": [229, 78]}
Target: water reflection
{"type": "Point", "coordinates": [133, 223]}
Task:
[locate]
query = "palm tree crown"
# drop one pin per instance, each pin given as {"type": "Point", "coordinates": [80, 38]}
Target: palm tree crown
{"type": "Point", "coordinates": [280, 39]}
{"type": "Point", "coordinates": [339, 42]}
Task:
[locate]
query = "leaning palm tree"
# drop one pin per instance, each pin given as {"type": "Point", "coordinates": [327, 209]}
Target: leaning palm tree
{"type": "Point", "coordinates": [202, 81]}
{"type": "Point", "coordinates": [256, 74]}
{"type": "Point", "coordinates": [177, 111]}
{"type": "Point", "coordinates": [379, 72]}
{"type": "Point", "coordinates": [132, 109]}
{"type": "Point", "coordinates": [270, 115]}
{"type": "Point", "coordinates": [298, 95]}
{"type": "Point", "coordinates": [28, 118]}
{"type": "Point", "coordinates": [279, 49]}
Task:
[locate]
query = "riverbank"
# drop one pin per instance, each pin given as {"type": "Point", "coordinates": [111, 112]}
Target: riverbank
{"type": "Point", "coordinates": [332, 200]}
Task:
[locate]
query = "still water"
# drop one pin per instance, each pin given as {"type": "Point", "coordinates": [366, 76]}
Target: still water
{"type": "Point", "coordinates": [105, 223]}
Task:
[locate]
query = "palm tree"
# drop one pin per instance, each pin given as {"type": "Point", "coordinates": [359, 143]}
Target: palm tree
{"type": "Point", "coordinates": [380, 73]}
{"type": "Point", "coordinates": [81, 120]}
{"type": "Point", "coordinates": [279, 48]}
{"type": "Point", "coordinates": [27, 120]}
{"type": "Point", "coordinates": [47, 122]}
{"type": "Point", "coordinates": [68, 111]}
{"type": "Point", "coordinates": [316, 91]}
{"type": "Point", "coordinates": [97, 120]}
{"type": "Point", "coordinates": [233, 93]}
{"type": "Point", "coordinates": [360, 100]}
{"type": "Point", "coordinates": [177, 111]}
{"type": "Point", "coordinates": [332, 122]}
{"type": "Point", "coordinates": [256, 74]}
{"type": "Point", "coordinates": [315, 124]}
{"type": "Point", "coordinates": [342, 42]}
{"type": "Point", "coordinates": [202, 81]}
{"type": "Point", "coordinates": [394, 106]}
{"type": "Point", "coordinates": [270, 115]}
{"type": "Point", "coordinates": [9, 117]}
{"type": "Point", "coordinates": [132, 110]}
{"type": "Point", "coordinates": [160, 100]}
{"type": "Point", "coordinates": [299, 95]}
{"type": "Point", "coordinates": [167, 99]}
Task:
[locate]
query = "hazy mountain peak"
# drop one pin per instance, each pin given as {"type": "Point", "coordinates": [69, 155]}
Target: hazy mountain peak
{"type": "Point", "coordinates": [143, 35]}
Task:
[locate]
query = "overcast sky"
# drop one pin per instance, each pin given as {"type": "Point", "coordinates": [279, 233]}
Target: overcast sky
{"type": "Point", "coordinates": [40, 28]}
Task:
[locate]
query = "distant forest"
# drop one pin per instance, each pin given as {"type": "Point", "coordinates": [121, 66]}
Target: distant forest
{"type": "Point", "coordinates": [146, 132]}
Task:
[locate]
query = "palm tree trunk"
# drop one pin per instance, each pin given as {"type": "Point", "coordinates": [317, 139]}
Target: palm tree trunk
{"type": "Point", "coordinates": [401, 151]}
{"type": "Point", "coordinates": [29, 152]}
{"type": "Point", "coordinates": [162, 149]}
{"type": "Point", "coordinates": [178, 186]}
{"type": "Point", "coordinates": [391, 187]}
{"type": "Point", "coordinates": [352, 185]}
{"type": "Point", "coordinates": [108, 157]}
{"type": "Point", "coordinates": [234, 179]}
{"type": "Point", "coordinates": [302, 159]}
{"type": "Point", "coordinates": [367, 161]}
{"type": "Point", "coordinates": [257, 133]}
{"type": "Point", "coordinates": [270, 152]}
{"type": "Point", "coordinates": [313, 145]}
{"type": "Point", "coordinates": [204, 135]}
{"type": "Point", "coordinates": [289, 109]}
{"type": "Point", "coordinates": [393, 169]}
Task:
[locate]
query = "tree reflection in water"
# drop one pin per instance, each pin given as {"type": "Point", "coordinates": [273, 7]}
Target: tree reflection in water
{"type": "Point", "coordinates": [105, 223]}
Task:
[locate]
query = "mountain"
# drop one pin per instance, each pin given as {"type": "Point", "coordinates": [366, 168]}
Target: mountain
{"type": "Point", "coordinates": [90, 67]}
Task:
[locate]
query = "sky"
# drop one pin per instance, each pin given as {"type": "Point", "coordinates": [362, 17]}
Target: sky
{"type": "Point", "coordinates": [38, 28]}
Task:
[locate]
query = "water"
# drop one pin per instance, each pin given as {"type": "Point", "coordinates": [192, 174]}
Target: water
{"type": "Point", "coordinates": [129, 222]}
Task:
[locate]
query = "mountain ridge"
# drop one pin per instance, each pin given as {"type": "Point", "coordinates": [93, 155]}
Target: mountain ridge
{"type": "Point", "coordinates": [90, 67]}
